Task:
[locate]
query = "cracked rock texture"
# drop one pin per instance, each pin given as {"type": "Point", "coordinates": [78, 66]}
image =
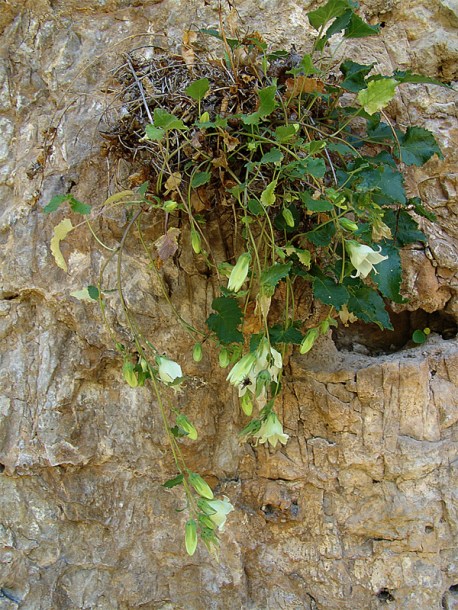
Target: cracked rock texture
{"type": "Point", "coordinates": [359, 510]}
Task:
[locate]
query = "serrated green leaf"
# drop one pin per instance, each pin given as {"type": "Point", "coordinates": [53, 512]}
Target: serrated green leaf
{"type": "Point", "coordinates": [417, 146]}
{"type": "Point", "coordinates": [389, 274]}
{"type": "Point", "coordinates": [200, 178]}
{"type": "Point", "coordinates": [327, 291]}
{"type": "Point", "coordinates": [377, 95]}
{"type": "Point", "coordinates": [273, 156]}
{"type": "Point", "coordinates": [272, 275]}
{"type": "Point", "coordinates": [409, 77]}
{"type": "Point", "coordinates": [79, 207]}
{"type": "Point", "coordinates": [310, 166]}
{"type": "Point", "coordinates": [278, 334]}
{"type": "Point", "coordinates": [403, 227]}
{"type": "Point", "coordinates": [173, 482]}
{"type": "Point", "coordinates": [324, 14]}
{"type": "Point", "coordinates": [154, 133]}
{"type": "Point", "coordinates": [198, 89]}
{"type": "Point", "coordinates": [59, 234]}
{"type": "Point", "coordinates": [167, 121]}
{"type": "Point", "coordinates": [385, 180]}
{"type": "Point", "coordinates": [255, 207]}
{"type": "Point", "coordinates": [266, 106]}
{"type": "Point", "coordinates": [55, 203]}
{"type": "Point", "coordinates": [323, 235]}
{"type": "Point", "coordinates": [421, 210]}
{"type": "Point", "coordinates": [268, 194]}
{"type": "Point", "coordinates": [357, 28]}
{"type": "Point", "coordinates": [367, 305]}
{"type": "Point", "coordinates": [283, 133]}
{"type": "Point", "coordinates": [224, 323]}
{"type": "Point", "coordinates": [355, 75]}
{"type": "Point", "coordinates": [315, 205]}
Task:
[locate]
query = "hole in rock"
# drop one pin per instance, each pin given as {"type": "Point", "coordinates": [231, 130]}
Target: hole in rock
{"type": "Point", "coordinates": [454, 589]}
{"type": "Point", "coordinates": [385, 596]}
{"type": "Point", "coordinates": [368, 339]}
{"type": "Point", "coordinates": [2, 468]}
{"type": "Point", "coordinates": [429, 529]}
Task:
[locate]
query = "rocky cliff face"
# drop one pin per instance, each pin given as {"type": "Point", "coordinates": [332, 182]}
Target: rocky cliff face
{"type": "Point", "coordinates": [359, 510]}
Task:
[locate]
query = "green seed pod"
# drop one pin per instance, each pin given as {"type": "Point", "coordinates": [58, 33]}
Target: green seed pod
{"type": "Point", "coordinates": [170, 205]}
{"type": "Point", "coordinates": [287, 215]}
{"type": "Point", "coordinates": [224, 358]}
{"type": "Point", "coordinates": [197, 352]}
{"type": "Point", "coordinates": [348, 225]}
{"type": "Point", "coordinates": [190, 536]}
{"type": "Point", "coordinates": [196, 242]}
{"type": "Point", "coordinates": [202, 488]}
{"type": "Point", "coordinates": [246, 404]}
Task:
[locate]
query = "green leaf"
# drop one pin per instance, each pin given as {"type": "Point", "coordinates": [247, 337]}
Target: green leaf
{"type": "Point", "coordinates": [167, 121]}
{"type": "Point", "coordinates": [200, 178]}
{"type": "Point", "coordinates": [327, 291]}
{"type": "Point", "coordinates": [291, 335]}
{"type": "Point", "coordinates": [410, 77]}
{"type": "Point", "coordinates": [322, 235]}
{"type": "Point", "coordinates": [377, 95]}
{"type": "Point", "coordinates": [266, 106]}
{"type": "Point", "coordinates": [403, 227]}
{"type": "Point", "coordinates": [367, 305]}
{"type": "Point", "coordinates": [421, 210]}
{"type": "Point", "coordinates": [198, 89]}
{"type": "Point", "coordinates": [78, 206]}
{"type": "Point", "coordinates": [55, 203]}
{"type": "Point", "coordinates": [255, 207]}
{"type": "Point", "coordinates": [273, 156]}
{"type": "Point", "coordinates": [324, 14]}
{"type": "Point", "coordinates": [268, 194]}
{"type": "Point", "coordinates": [418, 336]}
{"type": "Point", "coordinates": [93, 292]}
{"type": "Point", "coordinates": [272, 275]}
{"type": "Point", "coordinates": [310, 166]}
{"type": "Point", "coordinates": [357, 28]}
{"type": "Point", "coordinates": [81, 295]}
{"type": "Point", "coordinates": [315, 205]}
{"type": "Point", "coordinates": [418, 145]}
{"type": "Point", "coordinates": [354, 75]}
{"type": "Point", "coordinates": [389, 274]}
{"type": "Point", "coordinates": [224, 323]}
{"type": "Point", "coordinates": [60, 233]}
{"type": "Point", "coordinates": [154, 133]}
{"type": "Point", "coordinates": [385, 180]}
{"type": "Point", "coordinates": [283, 133]}
{"type": "Point", "coordinates": [173, 482]}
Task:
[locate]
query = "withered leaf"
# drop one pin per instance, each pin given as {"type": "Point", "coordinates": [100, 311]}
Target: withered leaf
{"type": "Point", "coordinates": [173, 182]}
{"type": "Point", "coordinates": [167, 244]}
{"type": "Point", "coordinates": [303, 84]}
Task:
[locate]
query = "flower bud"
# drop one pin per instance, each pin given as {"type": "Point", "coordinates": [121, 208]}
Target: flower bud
{"type": "Point", "coordinates": [190, 536]}
{"type": "Point", "coordinates": [202, 488]}
{"type": "Point", "coordinates": [309, 340]}
{"type": "Point", "coordinates": [196, 242]}
{"type": "Point", "coordinates": [197, 352]}
{"type": "Point", "coordinates": [130, 376]}
{"type": "Point", "coordinates": [239, 272]}
{"type": "Point", "coordinates": [183, 422]}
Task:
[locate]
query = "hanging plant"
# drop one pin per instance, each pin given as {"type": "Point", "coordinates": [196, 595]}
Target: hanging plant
{"type": "Point", "coordinates": [306, 169]}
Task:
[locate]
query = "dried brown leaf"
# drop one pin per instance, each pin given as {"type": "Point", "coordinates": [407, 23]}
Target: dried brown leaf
{"type": "Point", "coordinates": [167, 244]}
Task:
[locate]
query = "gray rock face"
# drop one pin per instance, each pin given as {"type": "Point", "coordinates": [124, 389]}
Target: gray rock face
{"type": "Point", "coordinates": [358, 511]}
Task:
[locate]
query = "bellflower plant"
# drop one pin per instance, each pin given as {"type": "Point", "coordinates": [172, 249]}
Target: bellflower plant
{"type": "Point", "coordinates": [273, 183]}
